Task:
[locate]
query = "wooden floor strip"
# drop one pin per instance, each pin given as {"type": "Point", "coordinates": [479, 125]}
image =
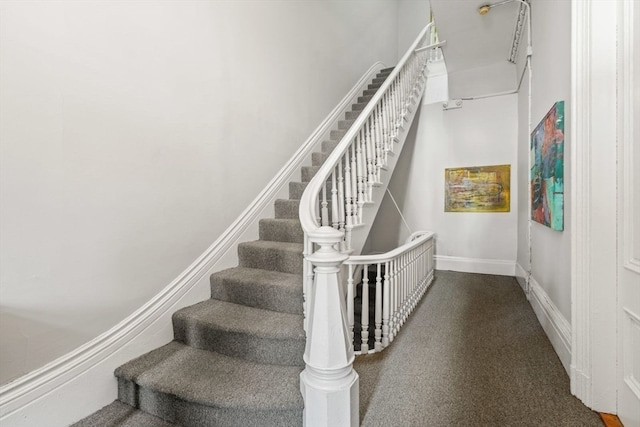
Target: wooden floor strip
{"type": "Point", "coordinates": [610, 420]}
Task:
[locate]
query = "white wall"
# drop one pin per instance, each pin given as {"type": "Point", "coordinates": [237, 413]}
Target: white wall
{"type": "Point", "coordinates": [482, 132]}
{"type": "Point", "coordinates": [133, 134]}
{"type": "Point", "coordinates": [551, 65]}
{"type": "Point", "coordinates": [544, 252]}
{"type": "Point", "coordinates": [413, 16]}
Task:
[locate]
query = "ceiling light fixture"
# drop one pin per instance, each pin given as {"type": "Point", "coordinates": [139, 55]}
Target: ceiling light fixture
{"type": "Point", "coordinates": [483, 10]}
{"type": "Point", "coordinates": [523, 13]}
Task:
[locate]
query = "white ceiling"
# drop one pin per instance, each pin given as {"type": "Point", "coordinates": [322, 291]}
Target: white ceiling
{"type": "Point", "coordinates": [478, 46]}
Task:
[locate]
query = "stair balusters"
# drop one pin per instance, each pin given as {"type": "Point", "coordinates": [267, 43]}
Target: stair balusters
{"type": "Point", "coordinates": [352, 171]}
{"type": "Point", "coordinates": [398, 279]}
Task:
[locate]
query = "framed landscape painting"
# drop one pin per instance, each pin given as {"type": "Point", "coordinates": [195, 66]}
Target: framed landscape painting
{"type": "Point", "coordinates": [477, 189]}
{"type": "Point", "coordinates": [547, 169]}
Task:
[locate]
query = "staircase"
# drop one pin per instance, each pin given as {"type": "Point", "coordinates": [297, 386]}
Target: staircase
{"type": "Point", "coordinates": [236, 358]}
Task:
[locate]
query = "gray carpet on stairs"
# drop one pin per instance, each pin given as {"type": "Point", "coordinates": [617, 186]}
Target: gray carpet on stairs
{"type": "Point", "coordinates": [122, 415]}
{"type": "Point", "coordinates": [237, 357]}
{"type": "Point", "coordinates": [471, 354]}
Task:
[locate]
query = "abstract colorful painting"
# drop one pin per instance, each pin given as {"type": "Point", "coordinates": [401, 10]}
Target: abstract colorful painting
{"type": "Point", "coordinates": [547, 169]}
{"type": "Point", "coordinates": [477, 189]}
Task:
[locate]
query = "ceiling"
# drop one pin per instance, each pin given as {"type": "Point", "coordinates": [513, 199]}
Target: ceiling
{"type": "Point", "coordinates": [478, 46]}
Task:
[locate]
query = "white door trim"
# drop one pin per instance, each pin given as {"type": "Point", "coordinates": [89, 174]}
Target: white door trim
{"type": "Point", "coordinates": [593, 201]}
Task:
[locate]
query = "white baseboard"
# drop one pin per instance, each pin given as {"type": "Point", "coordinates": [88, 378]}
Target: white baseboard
{"type": "Point", "coordinates": [82, 381]}
{"type": "Point", "coordinates": [476, 265]}
{"type": "Point", "coordinates": [521, 277]}
{"type": "Point", "coordinates": [581, 387]}
{"type": "Point", "coordinates": [557, 328]}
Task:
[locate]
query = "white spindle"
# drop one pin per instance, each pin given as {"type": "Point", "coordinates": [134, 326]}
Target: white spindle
{"type": "Point", "coordinates": [386, 295]}
{"type": "Point", "coordinates": [361, 172]}
{"type": "Point", "coordinates": [348, 227]}
{"type": "Point", "coordinates": [364, 348]}
{"type": "Point", "coordinates": [341, 199]}
{"type": "Point", "coordinates": [350, 301]}
{"type": "Point", "coordinates": [370, 165]}
{"type": "Point", "coordinates": [334, 201]}
{"type": "Point", "coordinates": [325, 207]}
{"type": "Point", "coordinates": [378, 313]}
{"type": "Point", "coordinates": [354, 184]}
{"type": "Point", "coordinates": [306, 276]}
{"type": "Point", "coordinates": [378, 144]}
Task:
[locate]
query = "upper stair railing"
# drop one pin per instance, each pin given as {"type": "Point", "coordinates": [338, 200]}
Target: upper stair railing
{"type": "Point", "coordinates": [332, 209]}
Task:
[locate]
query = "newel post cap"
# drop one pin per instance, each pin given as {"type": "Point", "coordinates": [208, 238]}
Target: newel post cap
{"type": "Point", "coordinates": [327, 237]}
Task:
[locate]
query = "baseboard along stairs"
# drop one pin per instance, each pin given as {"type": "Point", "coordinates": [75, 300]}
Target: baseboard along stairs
{"type": "Point", "coordinates": [236, 358]}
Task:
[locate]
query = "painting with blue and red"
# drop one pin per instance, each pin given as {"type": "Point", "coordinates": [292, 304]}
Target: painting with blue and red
{"type": "Point", "coordinates": [547, 169]}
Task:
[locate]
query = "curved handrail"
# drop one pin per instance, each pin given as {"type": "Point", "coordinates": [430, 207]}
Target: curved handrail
{"type": "Point", "coordinates": [307, 201]}
{"type": "Point", "coordinates": [394, 253]}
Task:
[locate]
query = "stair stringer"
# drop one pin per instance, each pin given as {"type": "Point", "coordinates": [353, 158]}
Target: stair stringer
{"type": "Point", "coordinates": [31, 400]}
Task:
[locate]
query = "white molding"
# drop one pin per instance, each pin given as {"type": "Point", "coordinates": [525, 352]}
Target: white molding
{"type": "Point", "coordinates": [35, 398]}
{"type": "Point", "coordinates": [555, 325]}
{"type": "Point", "coordinates": [580, 371]}
{"type": "Point", "coordinates": [593, 204]}
{"type": "Point", "coordinates": [626, 141]}
{"type": "Point", "coordinates": [499, 267]}
{"type": "Point", "coordinates": [521, 277]}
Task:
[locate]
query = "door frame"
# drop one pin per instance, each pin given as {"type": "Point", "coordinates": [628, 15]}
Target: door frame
{"type": "Point", "coordinates": [594, 205]}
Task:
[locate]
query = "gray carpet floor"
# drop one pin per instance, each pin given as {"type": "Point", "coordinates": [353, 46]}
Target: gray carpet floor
{"type": "Point", "coordinates": [471, 354]}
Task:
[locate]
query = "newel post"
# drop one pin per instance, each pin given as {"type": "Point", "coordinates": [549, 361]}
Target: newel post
{"type": "Point", "coordinates": [328, 383]}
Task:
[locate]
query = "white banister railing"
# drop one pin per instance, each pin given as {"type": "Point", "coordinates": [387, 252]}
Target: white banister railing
{"type": "Point", "coordinates": [400, 278]}
{"type": "Point", "coordinates": [332, 209]}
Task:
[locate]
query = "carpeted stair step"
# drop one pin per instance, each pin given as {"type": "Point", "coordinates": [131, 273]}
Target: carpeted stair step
{"type": "Point", "coordinates": [337, 135]}
{"type": "Point", "coordinates": [281, 230]}
{"type": "Point", "coordinates": [374, 86]}
{"type": "Point", "coordinates": [377, 80]}
{"type": "Point", "coordinates": [370, 92]}
{"type": "Point", "coordinates": [352, 115]}
{"type": "Point", "coordinates": [121, 415]}
{"type": "Point", "coordinates": [296, 189]}
{"type": "Point", "coordinates": [387, 70]}
{"type": "Point", "coordinates": [243, 332]}
{"type": "Point", "coordinates": [365, 98]}
{"type": "Point", "coordinates": [287, 208]}
{"type": "Point", "coordinates": [318, 158]}
{"type": "Point", "coordinates": [359, 106]}
{"type": "Point", "coordinates": [268, 290]}
{"type": "Point", "coordinates": [275, 256]}
{"type": "Point", "coordinates": [308, 172]}
{"type": "Point", "coordinates": [345, 124]}
{"type": "Point", "coordinates": [193, 387]}
{"type": "Point", "coordinates": [329, 146]}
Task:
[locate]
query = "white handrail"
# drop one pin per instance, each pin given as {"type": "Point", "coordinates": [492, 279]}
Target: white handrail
{"type": "Point", "coordinates": [388, 256]}
{"type": "Point", "coordinates": [308, 218]}
{"type": "Point", "coordinates": [352, 170]}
